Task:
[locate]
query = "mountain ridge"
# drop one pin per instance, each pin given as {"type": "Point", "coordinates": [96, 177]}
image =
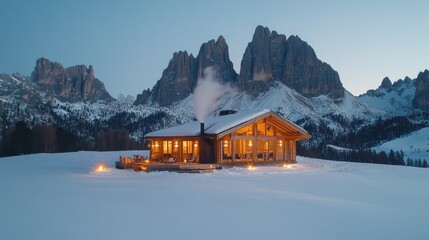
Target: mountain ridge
{"type": "Point", "coordinates": [269, 57]}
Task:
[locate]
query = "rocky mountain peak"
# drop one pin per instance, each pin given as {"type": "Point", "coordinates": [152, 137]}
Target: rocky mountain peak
{"type": "Point", "coordinates": [72, 84]}
{"type": "Point", "coordinates": [221, 43]}
{"type": "Point", "coordinates": [44, 70]}
{"type": "Point", "coordinates": [386, 83]}
{"type": "Point", "coordinates": [216, 54]}
{"type": "Point", "coordinates": [180, 77]}
{"type": "Point", "coordinates": [176, 82]}
{"type": "Point", "coordinates": [421, 97]}
{"type": "Point", "coordinates": [273, 57]}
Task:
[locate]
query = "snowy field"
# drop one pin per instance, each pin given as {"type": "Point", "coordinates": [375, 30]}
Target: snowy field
{"type": "Point", "coordinates": [60, 196]}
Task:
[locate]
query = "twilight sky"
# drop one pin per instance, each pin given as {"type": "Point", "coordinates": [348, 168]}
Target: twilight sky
{"type": "Point", "coordinates": [130, 43]}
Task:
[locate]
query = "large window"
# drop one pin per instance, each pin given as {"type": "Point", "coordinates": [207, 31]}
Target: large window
{"type": "Point", "coordinates": [245, 131]}
{"type": "Point", "coordinates": [260, 129]}
{"type": "Point", "coordinates": [187, 147]}
{"type": "Point", "coordinates": [167, 147]}
{"type": "Point", "coordinates": [265, 150]}
{"type": "Point", "coordinates": [226, 150]}
{"type": "Point", "coordinates": [258, 141]}
{"type": "Point", "coordinates": [280, 149]}
{"type": "Point", "coordinates": [243, 149]}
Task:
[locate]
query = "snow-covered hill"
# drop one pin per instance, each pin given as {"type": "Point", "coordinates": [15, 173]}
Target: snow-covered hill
{"type": "Point", "coordinates": [414, 146]}
{"type": "Point", "coordinates": [290, 104]}
{"type": "Point", "coordinates": [60, 196]}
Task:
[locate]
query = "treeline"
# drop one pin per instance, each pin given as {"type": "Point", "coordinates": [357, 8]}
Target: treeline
{"type": "Point", "coordinates": [381, 130]}
{"type": "Point", "coordinates": [361, 155]}
{"type": "Point", "coordinates": [46, 138]}
{"type": "Point", "coordinates": [357, 136]}
{"type": "Point", "coordinates": [362, 138]}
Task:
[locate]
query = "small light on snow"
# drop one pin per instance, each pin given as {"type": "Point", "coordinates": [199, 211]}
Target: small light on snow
{"type": "Point", "coordinates": [250, 167]}
{"type": "Point", "coordinates": [100, 168]}
{"type": "Point", "coordinates": [287, 166]}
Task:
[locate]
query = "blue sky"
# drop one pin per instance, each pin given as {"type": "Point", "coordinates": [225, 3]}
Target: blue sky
{"type": "Point", "coordinates": [130, 43]}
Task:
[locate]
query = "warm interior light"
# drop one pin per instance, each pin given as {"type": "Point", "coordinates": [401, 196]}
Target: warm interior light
{"type": "Point", "coordinates": [225, 143]}
{"type": "Point", "coordinates": [176, 144]}
{"type": "Point", "coordinates": [280, 143]}
{"type": "Point", "coordinates": [195, 145]}
{"type": "Point", "coordinates": [250, 143]}
{"type": "Point", "coordinates": [156, 144]}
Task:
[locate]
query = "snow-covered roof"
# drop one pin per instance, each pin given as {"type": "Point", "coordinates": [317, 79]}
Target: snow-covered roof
{"type": "Point", "coordinates": [213, 125]}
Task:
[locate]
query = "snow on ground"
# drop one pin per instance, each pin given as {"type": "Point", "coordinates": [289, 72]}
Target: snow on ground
{"type": "Point", "coordinates": [414, 146]}
{"type": "Point", "coordinates": [60, 196]}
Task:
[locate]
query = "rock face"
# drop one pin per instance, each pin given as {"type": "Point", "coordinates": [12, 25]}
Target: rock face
{"type": "Point", "coordinates": [71, 84]}
{"type": "Point", "coordinates": [216, 54]}
{"type": "Point", "coordinates": [180, 77]}
{"type": "Point", "coordinates": [386, 83]}
{"type": "Point", "coordinates": [421, 97]}
{"type": "Point", "coordinates": [176, 83]}
{"type": "Point", "coordinates": [263, 60]}
{"type": "Point", "coordinates": [273, 57]}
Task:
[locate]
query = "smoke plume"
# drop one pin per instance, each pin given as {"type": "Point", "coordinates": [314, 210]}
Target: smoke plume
{"type": "Point", "coordinates": [208, 93]}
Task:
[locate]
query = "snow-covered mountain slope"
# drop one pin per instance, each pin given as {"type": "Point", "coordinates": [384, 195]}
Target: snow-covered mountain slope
{"type": "Point", "coordinates": [290, 104]}
{"type": "Point", "coordinates": [60, 196]}
{"type": "Point", "coordinates": [128, 99]}
{"type": "Point", "coordinates": [414, 146]}
{"type": "Point", "coordinates": [22, 99]}
{"type": "Point", "coordinates": [396, 99]}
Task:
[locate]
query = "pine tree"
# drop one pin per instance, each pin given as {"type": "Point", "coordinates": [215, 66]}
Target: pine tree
{"type": "Point", "coordinates": [419, 163]}
{"type": "Point", "coordinates": [425, 164]}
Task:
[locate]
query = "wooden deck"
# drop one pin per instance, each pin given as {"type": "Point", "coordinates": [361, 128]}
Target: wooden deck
{"type": "Point", "coordinates": [141, 164]}
{"type": "Point", "coordinates": [170, 167]}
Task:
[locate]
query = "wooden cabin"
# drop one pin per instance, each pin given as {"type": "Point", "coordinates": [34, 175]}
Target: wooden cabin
{"type": "Point", "coordinates": [252, 136]}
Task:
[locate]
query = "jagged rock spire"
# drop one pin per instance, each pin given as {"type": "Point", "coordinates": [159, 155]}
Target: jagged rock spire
{"type": "Point", "coordinates": [72, 84]}
{"type": "Point", "coordinates": [273, 57]}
